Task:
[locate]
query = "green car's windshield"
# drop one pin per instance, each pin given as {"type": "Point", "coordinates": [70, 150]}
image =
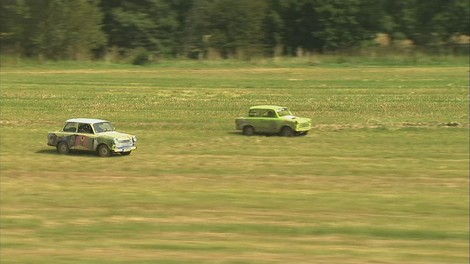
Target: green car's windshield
{"type": "Point", "coordinates": [283, 112]}
{"type": "Point", "coordinates": [103, 127]}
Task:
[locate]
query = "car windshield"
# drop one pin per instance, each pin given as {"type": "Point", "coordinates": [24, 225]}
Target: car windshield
{"type": "Point", "coordinates": [103, 127]}
{"type": "Point", "coordinates": [283, 112]}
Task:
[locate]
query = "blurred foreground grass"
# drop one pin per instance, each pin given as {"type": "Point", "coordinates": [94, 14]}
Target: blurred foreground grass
{"type": "Point", "coordinates": [382, 177]}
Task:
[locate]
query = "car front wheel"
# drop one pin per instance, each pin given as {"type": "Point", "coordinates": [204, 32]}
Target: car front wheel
{"type": "Point", "coordinates": [104, 151]}
{"type": "Point", "coordinates": [287, 132]}
{"type": "Point", "coordinates": [126, 153]}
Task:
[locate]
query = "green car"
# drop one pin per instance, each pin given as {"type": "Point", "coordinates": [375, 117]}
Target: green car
{"type": "Point", "coordinates": [272, 119]}
{"type": "Point", "coordinates": [92, 135]}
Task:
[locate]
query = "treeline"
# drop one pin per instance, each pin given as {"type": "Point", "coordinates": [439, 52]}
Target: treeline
{"type": "Point", "coordinates": [142, 29]}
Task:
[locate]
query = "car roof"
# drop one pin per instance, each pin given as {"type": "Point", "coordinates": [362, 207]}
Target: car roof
{"type": "Point", "coordinates": [272, 107]}
{"type": "Point", "coordinates": [86, 120]}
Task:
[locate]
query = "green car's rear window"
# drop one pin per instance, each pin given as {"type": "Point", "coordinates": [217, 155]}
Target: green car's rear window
{"type": "Point", "coordinates": [254, 113]}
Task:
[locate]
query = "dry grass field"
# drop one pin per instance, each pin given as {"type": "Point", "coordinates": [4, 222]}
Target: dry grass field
{"type": "Point", "coordinates": [383, 176]}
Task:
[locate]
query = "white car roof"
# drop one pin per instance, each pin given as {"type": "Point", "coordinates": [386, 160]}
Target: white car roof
{"type": "Point", "coordinates": [86, 120]}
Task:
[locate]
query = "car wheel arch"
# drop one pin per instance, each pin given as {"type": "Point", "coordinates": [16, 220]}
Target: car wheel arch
{"type": "Point", "coordinates": [60, 141]}
{"type": "Point", "coordinates": [101, 144]}
{"type": "Point", "coordinates": [287, 125]}
{"type": "Point", "coordinates": [103, 141]}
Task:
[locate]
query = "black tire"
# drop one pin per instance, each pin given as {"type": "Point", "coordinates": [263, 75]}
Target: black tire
{"type": "Point", "coordinates": [248, 131]}
{"type": "Point", "coordinates": [103, 151]}
{"type": "Point", "coordinates": [126, 153]}
{"type": "Point", "coordinates": [287, 132]}
{"type": "Point", "coordinates": [63, 147]}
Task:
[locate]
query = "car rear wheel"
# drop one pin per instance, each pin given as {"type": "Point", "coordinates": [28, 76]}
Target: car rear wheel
{"type": "Point", "coordinates": [63, 148]}
{"type": "Point", "coordinates": [104, 151]}
{"type": "Point", "coordinates": [248, 131]}
{"type": "Point", "coordinates": [287, 132]}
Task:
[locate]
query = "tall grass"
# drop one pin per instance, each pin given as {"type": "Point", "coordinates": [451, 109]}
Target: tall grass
{"type": "Point", "coordinates": [371, 57]}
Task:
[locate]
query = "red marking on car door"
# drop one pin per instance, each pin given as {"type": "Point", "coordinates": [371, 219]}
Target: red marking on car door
{"type": "Point", "coordinates": [83, 142]}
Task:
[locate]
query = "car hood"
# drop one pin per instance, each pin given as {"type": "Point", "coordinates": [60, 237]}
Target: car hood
{"type": "Point", "coordinates": [114, 134]}
{"type": "Point", "coordinates": [296, 118]}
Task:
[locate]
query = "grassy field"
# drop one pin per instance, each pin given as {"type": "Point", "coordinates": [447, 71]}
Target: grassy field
{"type": "Point", "coordinates": [381, 178]}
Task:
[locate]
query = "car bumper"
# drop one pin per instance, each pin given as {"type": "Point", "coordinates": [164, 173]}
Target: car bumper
{"type": "Point", "coordinates": [303, 128]}
{"type": "Point", "coordinates": [123, 149]}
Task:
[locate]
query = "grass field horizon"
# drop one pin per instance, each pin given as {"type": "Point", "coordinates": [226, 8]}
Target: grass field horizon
{"type": "Point", "coordinates": [381, 178]}
{"type": "Point", "coordinates": [365, 58]}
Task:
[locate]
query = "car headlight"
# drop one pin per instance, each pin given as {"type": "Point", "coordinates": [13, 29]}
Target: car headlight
{"type": "Point", "coordinates": [116, 141]}
{"type": "Point", "coordinates": [134, 138]}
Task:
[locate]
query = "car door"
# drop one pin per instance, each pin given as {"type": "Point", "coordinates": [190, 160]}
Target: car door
{"type": "Point", "coordinates": [85, 137]}
{"type": "Point", "coordinates": [267, 122]}
{"type": "Point", "coordinates": [254, 119]}
{"type": "Point", "coordinates": [68, 134]}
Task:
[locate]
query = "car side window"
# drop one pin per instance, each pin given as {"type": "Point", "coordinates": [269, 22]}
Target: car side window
{"type": "Point", "coordinates": [85, 128]}
{"type": "Point", "coordinates": [253, 113]}
{"type": "Point", "coordinates": [70, 127]}
{"type": "Point", "coordinates": [269, 113]}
